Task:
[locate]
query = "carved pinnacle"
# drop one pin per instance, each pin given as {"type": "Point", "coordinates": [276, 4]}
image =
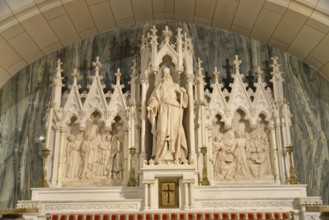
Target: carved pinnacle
{"type": "Point", "coordinates": [75, 75]}
{"type": "Point", "coordinates": [237, 63]}
{"type": "Point", "coordinates": [179, 35]}
{"type": "Point", "coordinates": [166, 34]}
{"type": "Point", "coordinates": [216, 74]}
{"type": "Point", "coordinates": [118, 75]}
{"type": "Point", "coordinates": [97, 65]}
{"type": "Point", "coordinates": [199, 65]}
{"type": "Point", "coordinates": [259, 74]}
{"type": "Point", "coordinates": [59, 63]}
{"type": "Point", "coordinates": [154, 35]}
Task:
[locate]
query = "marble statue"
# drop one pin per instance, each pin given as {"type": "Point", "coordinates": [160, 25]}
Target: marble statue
{"type": "Point", "coordinates": [72, 157]}
{"type": "Point", "coordinates": [260, 166]}
{"type": "Point", "coordinates": [103, 154]}
{"type": "Point", "coordinates": [165, 112]}
{"type": "Point", "coordinates": [87, 157]}
{"type": "Point", "coordinates": [240, 153]}
{"type": "Point", "coordinates": [115, 163]}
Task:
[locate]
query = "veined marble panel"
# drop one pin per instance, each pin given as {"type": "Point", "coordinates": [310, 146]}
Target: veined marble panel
{"type": "Point", "coordinates": [23, 99]}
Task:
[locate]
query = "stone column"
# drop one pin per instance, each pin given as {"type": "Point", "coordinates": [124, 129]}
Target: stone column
{"type": "Point", "coordinates": [186, 195]}
{"type": "Point", "coordinates": [302, 210]}
{"type": "Point", "coordinates": [190, 80]}
{"type": "Point", "coordinates": [285, 134]}
{"type": "Point", "coordinates": [55, 152]}
{"type": "Point", "coordinates": [191, 193]}
{"type": "Point", "coordinates": [282, 169]}
{"type": "Point", "coordinates": [61, 156]}
{"type": "Point", "coordinates": [152, 194]}
{"type": "Point", "coordinates": [126, 160]}
{"type": "Point", "coordinates": [274, 153]}
{"type": "Point", "coordinates": [145, 86]}
{"type": "Point", "coordinates": [146, 195]}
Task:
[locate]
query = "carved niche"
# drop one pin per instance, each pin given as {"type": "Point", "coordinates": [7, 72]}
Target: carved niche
{"type": "Point", "coordinates": [240, 134]}
{"type": "Point", "coordinates": [242, 152]}
{"type": "Point", "coordinates": [95, 123]}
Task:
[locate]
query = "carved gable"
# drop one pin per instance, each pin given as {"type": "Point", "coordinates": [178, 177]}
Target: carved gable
{"type": "Point", "coordinates": [73, 104]}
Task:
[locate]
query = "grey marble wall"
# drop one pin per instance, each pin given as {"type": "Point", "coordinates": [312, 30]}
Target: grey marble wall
{"type": "Point", "coordinates": [23, 99]}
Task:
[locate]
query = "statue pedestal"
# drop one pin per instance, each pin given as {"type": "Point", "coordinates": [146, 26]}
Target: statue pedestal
{"type": "Point", "coordinates": [183, 175]}
{"type": "Point", "coordinates": [170, 169]}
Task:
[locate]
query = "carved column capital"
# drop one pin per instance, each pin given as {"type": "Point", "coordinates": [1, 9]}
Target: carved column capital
{"type": "Point", "coordinates": [190, 181]}
{"type": "Point", "coordinates": [190, 77]}
{"type": "Point", "coordinates": [56, 128]}
{"type": "Point", "coordinates": [148, 182]}
{"type": "Point", "coordinates": [272, 125]}
{"type": "Point", "coordinates": [144, 78]}
{"type": "Point", "coordinates": [63, 130]}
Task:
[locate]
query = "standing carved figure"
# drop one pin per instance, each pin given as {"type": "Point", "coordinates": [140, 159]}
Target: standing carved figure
{"type": "Point", "coordinates": [224, 161]}
{"type": "Point", "coordinates": [240, 153]}
{"type": "Point", "coordinates": [165, 112]}
{"type": "Point", "coordinates": [72, 157]}
{"type": "Point", "coordinates": [115, 164]}
{"type": "Point", "coordinates": [103, 153]}
{"type": "Point", "coordinates": [87, 157]}
{"type": "Point", "coordinates": [260, 162]}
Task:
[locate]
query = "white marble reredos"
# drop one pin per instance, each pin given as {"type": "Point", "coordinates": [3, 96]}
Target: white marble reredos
{"type": "Point", "coordinates": [23, 111]}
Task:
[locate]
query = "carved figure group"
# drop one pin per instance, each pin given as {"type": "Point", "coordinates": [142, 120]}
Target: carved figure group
{"type": "Point", "coordinates": [241, 156]}
{"type": "Point", "coordinates": [95, 156]}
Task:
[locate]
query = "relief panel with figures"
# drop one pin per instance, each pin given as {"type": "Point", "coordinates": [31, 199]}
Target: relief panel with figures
{"type": "Point", "coordinates": [242, 152]}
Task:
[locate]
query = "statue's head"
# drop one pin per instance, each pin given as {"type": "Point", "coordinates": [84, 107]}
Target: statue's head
{"type": "Point", "coordinates": [71, 138]}
{"type": "Point", "coordinates": [166, 73]}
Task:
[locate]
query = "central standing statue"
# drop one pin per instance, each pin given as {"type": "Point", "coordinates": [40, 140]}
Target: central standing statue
{"type": "Point", "coordinates": [165, 112]}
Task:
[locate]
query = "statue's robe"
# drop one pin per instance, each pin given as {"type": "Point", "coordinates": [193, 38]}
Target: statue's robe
{"type": "Point", "coordinates": [168, 102]}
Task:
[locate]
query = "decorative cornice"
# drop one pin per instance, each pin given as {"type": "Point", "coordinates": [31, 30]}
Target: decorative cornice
{"type": "Point", "coordinates": [308, 201]}
{"type": "Point", "coordinates": [246, 204]}
{"type": "Point", "coordinates": [131, 206]}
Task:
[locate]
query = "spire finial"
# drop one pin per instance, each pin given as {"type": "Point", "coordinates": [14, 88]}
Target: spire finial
{"type": "Point", "coordinates": [199, 61]}
{"type": "Point", "coordinates": [59, 63]}
{"type": "Point", "coordinates": [97, 65]}
{"type": "Point", "coordinates": [179, 34]}
{"type": "Point", "coordinates": [275, 60]}
{"type": "Point", "coordinates": [118, 75]}
{"type": "Point", "coordinates": [237, 63]}
{"type": "Point", "coordinates": [216, 74]}
{"type": "Point", "coordinates": [59, 68]}
{"type": "Point", "coordinates": [154, 31]}
{"type": "Point", "coordinates": [259, 73]}
{"type": "Point", "coordinates": [75, 75]}
{"type": "Point", "coordinates": [166, 34]}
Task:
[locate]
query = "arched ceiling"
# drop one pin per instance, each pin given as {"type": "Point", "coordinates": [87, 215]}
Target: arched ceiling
{"type": "Point", "coordinates": [31, 29]}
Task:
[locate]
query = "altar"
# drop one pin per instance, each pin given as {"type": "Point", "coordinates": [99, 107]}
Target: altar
{"type": "Point", "coordinates": [168, 147]}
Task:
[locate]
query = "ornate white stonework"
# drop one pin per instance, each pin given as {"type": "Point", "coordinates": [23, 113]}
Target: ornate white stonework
{"type": "Point", "coordinates": [246, 204]}
{"type": "Point", "coordinates": [225, 148]}
{"type": "Point", "coordinates": [93, 132]}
